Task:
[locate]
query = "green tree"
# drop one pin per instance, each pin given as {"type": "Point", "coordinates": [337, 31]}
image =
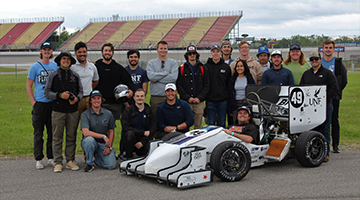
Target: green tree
{"type": "Point", "coordinates": [64, 36]}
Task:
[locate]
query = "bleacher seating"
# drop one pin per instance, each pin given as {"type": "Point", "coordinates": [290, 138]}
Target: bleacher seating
{"type": "Point", "coordinates": [178, 31]}
{"type": "Point", "coordinates": [161, 29]}
{"type": "Point", "coordinates": [197, 31]}
{"type": "Point", "coordinates": [45, 34]}
{"type": "Point", "coordinates": [218, 31]}
{"type": "Point", "coordinates": [109, 29]}
{"type": "Point", "coordinates": [123, 32]}
{"type": "Point", "coordinates": [139, 34]}
{"type": "Point", "coordinates": [86, 35]}
{"type": "Point", "coordinates": [29, 35]}
{"type": "Point", "coordinates": [12, 35]}
{"type": "Point", "coordinates": [5, 28]}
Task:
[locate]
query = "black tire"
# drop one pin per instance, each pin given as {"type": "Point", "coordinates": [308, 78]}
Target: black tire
{"type": "Point", "coordinates": [231, 161]}
{"type": "Point", "coordinates": [310, 149]}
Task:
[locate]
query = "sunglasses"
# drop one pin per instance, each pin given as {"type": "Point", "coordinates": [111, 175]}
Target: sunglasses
{"type": "Point", "coordinates": [191, 53]}
{"type": "Point", "coordinates": [312, 59]}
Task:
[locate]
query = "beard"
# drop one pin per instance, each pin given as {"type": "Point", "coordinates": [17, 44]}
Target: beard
{"type": "Point", "coordinates": [133, 64]}
{"type": "Point", "coordinates": [107, 58]}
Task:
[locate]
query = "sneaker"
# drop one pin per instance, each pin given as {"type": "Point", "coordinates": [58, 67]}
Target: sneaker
{"type": "Point", "coordinates": [57, 168]}
{"type": "Point", "coordinates": [336, 149]}
{"type": "Point", "coordinates": [326, 159]}
{"type": "Point", "coordinates": [89, 168]}
{"type": "Point", "coordinates": [71, 165]}
{"type": "Point", "coordinates": [51, 163]}
{"type": "Point", "coordinates": [39, 165]}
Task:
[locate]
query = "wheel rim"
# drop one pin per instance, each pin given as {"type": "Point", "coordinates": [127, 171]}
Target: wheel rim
{"type": "Point", "coordinates": [316, 148]}
{"type": "Point", "coordinates": [233, 160]}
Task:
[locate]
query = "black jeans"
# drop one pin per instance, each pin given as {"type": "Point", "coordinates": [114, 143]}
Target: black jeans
{"type": "Point", "coordinates": [128, 140]}
{"type": "Point", "coordinates": [41, 116]}
{"type": "Point", "coordinates": [335, 126]}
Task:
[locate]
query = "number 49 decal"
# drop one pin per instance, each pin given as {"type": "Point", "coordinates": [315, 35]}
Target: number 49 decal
{"type": "Point", "coordinates": [296, 97]}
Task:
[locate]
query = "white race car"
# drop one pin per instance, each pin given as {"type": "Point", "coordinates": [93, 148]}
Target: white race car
{"type": "Point", "coordinates": [285, 115]}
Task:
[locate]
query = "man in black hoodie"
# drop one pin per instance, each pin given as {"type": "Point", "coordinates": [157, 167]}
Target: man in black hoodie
{"type": "Point", "coordinates": [219, 76]}
{"type": "Point", "coordinates": [112, 74]}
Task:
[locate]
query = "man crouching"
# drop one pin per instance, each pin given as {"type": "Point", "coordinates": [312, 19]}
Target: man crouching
{"type": "Point", "coordinates": [97, 126]}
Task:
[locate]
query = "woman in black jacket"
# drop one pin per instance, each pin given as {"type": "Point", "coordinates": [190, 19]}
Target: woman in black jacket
{"type": "Point", "coordinates": [236, 90]}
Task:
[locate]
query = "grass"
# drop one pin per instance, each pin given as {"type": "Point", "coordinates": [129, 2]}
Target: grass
{"type": "Point", "coordinates": [16, 131]}
{"type": "Point", "coordinates": [6, 69]}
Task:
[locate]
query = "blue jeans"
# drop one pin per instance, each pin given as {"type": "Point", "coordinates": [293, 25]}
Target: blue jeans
{"type": "Point", "coordinates": [324, 128]}
{"type": "Point", "coordinates": [93, 148]}
{"type": "Point", "coordinates": [216, 109]}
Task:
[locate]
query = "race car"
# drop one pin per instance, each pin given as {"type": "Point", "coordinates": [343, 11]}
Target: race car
{"type": "Point", "coordinates": [285, 116]}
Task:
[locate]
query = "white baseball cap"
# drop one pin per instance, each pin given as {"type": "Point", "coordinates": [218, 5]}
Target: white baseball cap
{"type": "Point", "coordinates": [170, 86]}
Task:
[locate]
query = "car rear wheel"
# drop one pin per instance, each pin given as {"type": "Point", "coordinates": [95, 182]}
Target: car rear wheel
{"type": "Point", "coordinates": [310, 149]}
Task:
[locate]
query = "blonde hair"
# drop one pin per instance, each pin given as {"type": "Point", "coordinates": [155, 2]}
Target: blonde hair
{"type": "Point", "coordinates": [242, 43]}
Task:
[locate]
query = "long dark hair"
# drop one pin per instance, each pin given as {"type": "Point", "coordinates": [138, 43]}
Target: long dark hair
{"type": "Point", "coordinates": [246, 73]}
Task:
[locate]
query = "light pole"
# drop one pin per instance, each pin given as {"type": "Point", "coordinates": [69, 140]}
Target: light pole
{"type": "Point", "coordinates": [29, 42]}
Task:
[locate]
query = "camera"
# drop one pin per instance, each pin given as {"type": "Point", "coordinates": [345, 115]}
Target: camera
{"type": "Point", "coordinates": [71, 97]}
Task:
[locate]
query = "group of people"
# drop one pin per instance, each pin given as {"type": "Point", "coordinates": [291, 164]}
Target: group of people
{"type": "Point", "coordinates": [70, 90]}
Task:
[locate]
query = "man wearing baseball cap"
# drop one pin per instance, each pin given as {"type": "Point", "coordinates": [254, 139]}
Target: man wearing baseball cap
{"type": "Point", "coordinates": [263, 56]}
{"type": "Point", "coordinates": [216, 99]}
{"type": "Point", "coordinates": [65, 89]}
{"type": "Point", "coordinates": [173, 115]}
{"type": "Point", "coordinates": [193, 83]}
{"type": "Point", "coordinates": [97, 126]}
{"type": "Point", "coordinates": [244, 127]}
{"type": "Point", "coordinates": [296, 62]}
{"type": "Point", "coordinates": [319, 75]}
{"type": "Point", "coordinates": [41, 113]}
{"type": "Point", "coordinates": [277, 74]}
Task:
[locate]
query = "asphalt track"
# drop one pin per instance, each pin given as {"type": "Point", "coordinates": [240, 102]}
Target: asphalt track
{"type": "Point", "coordinates": [337, 179]}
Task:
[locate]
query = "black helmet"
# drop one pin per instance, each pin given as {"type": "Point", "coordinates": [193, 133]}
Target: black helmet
{"type": "Point", "coordinates": [120, 93]}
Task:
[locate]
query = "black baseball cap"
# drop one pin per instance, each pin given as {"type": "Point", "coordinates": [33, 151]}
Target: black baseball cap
{"type": "Point", "coordinates": [46, 45]}
{"type": "Point", "coordinates": [295, 46]}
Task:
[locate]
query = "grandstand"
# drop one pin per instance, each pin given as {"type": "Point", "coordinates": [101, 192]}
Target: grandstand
{"type": "Point", "coordinates": [143, 32]}
{"type": "Point", "coordinates": [128, 32]}
{"type": "Point", "coordinates": [29, 35]}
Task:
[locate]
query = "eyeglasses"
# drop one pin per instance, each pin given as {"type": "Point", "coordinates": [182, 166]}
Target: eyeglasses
{"type": "Point", "coordinates": [244, 47]}
{"type": "Point", "coordinates": [162, 64]}
{"type": "Point", "coordinates": [191, 53]}
{"type": "Point", "coordinates": [312, 59]}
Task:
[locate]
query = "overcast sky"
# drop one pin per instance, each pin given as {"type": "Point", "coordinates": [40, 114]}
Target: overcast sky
{"type": "Point", "coordinates": [261, 18]}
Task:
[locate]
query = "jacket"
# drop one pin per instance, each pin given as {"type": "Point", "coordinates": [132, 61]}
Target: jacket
{"type": "Point", "coordinates": [231, 102]}
{"type": "Point", "coordinates": [173, 115]}
{"type": "Point", "coordinates": [59, 81]}
{"type": "Point", "coordinates": [322, 77]}
{"type": "Point", "coordinates": [219, 76]}
{"type": "Point", "coordinates": [185, 85]}
{"type": "Point", "coordinates": [341, 76]}
{"type": "Point", "coordinates": [127, 117]}
{"type": "Point", "coordinates": [280, 76]}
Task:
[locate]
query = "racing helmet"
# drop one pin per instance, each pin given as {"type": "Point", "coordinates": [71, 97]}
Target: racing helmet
{"type": "Point", "coordinates": [120, 93]}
